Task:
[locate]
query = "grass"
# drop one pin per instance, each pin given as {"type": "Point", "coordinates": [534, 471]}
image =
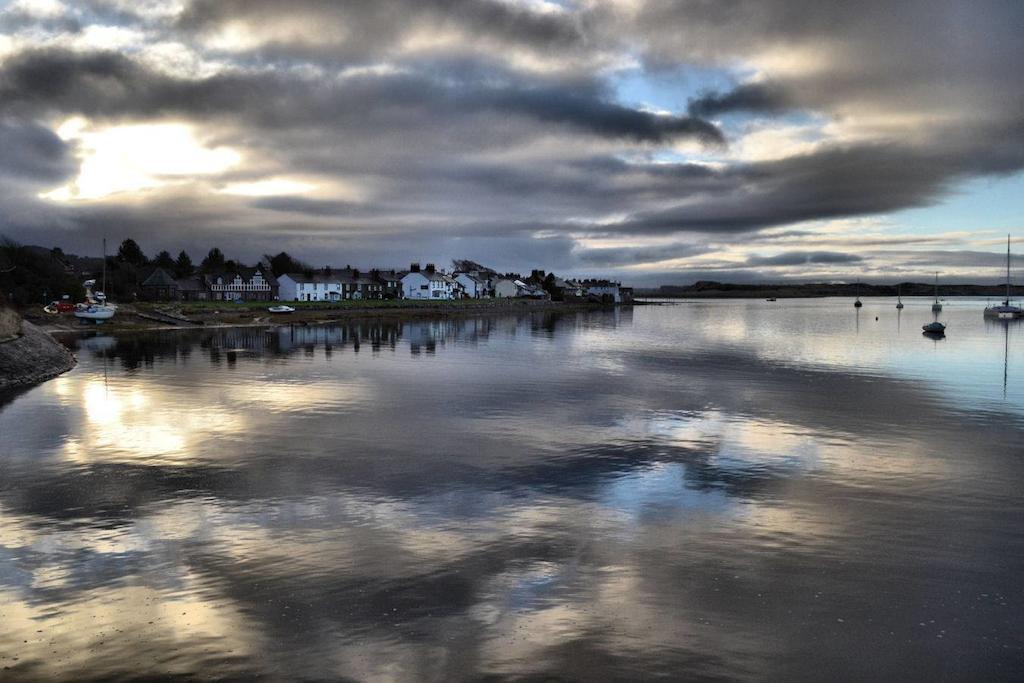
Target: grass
{"type": "Point", "coordinates": [200, 307]}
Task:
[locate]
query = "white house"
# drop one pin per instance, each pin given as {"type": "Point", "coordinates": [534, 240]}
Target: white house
{"type": "Point", "coordinates": [603, 289]}
{"type": "Point", "coordinates": [476, 286]}
{"type": "Point", "coordinates": [318, 287]}
{"type": "Point", "coordinates": [430, 284]}
{"type": "Point", "coordinates": [507, 288]}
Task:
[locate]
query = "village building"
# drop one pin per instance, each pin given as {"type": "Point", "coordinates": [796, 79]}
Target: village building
{"type": "Point", "coordinates": [390, 281]}
{"type": "Point", "coordinates": [243, 283]}
{"type": "Point", "coordinates": [334, 285]}
{"type": "Point", "coordinates": [430, 283]}
{"type": "Point", "coordinates": [605, 291]}
{"type": "Point", "coordinates": [359, 285]}
{"type": "Point", "coordinates": [564, 290]}
{"type": "Point", "coordinates": [192, 289]}
{"type": "Point", "coordinates": [160, 286]}
{"type": "Point", "coordinates": [318, 286]}
{"type": "Point", "coordinates": [475, 285]}
{"type": "Point", "coordinates": [509, 287]}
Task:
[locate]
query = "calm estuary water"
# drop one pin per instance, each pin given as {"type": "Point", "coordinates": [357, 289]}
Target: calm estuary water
{"type": "Point", "coordinates": [714, 490]}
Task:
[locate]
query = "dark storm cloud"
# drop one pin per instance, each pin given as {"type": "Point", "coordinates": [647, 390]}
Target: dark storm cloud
{"type": "Point", "coordinates": [112, 85]}
{"type": "Point", "coordinates": [367, 28]}
{"type": "Point", "coordinates": [499, 123]}
{"type": "Point", "coordinates": [313, 207]}
{"type": "Point", "coordinates": [752, 97]}
{"type": "Point", "coordinates": [797, 258]}
{"type": "Point", "coordinates": [31, 152]}
{"type": "Point", "coordinates": [611, 257]}
{"type": "Point", "coordinates": [834, 182]}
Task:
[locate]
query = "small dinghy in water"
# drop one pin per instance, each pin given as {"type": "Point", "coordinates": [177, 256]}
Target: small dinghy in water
{"type": "Point", "coordinates": [934, 328]}
{"type": "Point", "coordinates": [281, 309]}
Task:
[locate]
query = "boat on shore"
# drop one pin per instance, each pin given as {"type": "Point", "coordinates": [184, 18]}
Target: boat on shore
{"type": "Point", "coordinates": [281, 309]}
{"type": "Point", "coordinates": [96, 308]}
{"type": "Point", "coordinates": [1005, 310]}
{"type": "Point", "coordinates": [96, 312]}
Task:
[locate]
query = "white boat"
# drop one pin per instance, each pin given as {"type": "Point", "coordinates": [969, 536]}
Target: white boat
{"type": "Point", "coordinates": [1005, 310]}
{"type": "Point", "coordinates": [281, 309]}
{"type": "Point", "coordinates": [96, 307]}
{"type": "Point", "coordinates": [95, 312]}
{"type": "Point", "coordinates": [936, 306]}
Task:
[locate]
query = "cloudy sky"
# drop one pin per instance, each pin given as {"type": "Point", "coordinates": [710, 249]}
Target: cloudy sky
{"type": "Point", "coordinates": [661, 142]}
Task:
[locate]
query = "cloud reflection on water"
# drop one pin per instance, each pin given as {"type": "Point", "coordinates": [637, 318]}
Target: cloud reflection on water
{"type": "Point", "coordinates": [549, 495]}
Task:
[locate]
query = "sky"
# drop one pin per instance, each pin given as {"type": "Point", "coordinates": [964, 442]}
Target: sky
{"type": "Point", "coordinates": [657, 142]}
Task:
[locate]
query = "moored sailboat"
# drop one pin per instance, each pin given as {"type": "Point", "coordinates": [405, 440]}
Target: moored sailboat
{"type": "Point", "coordinates": [1005, 310]}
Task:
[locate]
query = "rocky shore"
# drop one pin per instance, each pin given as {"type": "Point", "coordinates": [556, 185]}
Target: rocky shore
{"type": "Point", "coordinates": [28, 355]}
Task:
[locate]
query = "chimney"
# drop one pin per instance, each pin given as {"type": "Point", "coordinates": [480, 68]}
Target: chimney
{"type": "Point", "coordinates": [430, 268]}
{"type": "Point", "coordinates": [414, 268]}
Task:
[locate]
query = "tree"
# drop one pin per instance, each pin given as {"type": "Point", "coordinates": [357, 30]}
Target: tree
{"type": "Point", "coordinates": [464, 265]}
{"type": "Point", "coordinates": [213, 261]}
{"type": "Point", "coordinates": [284, 263]}
{"type": "Point", "coordinates": [130, 252]}
{"type": "Point", "coordinates": [164, 260]}
{"type": "Point", "coordinates": [183, 266]}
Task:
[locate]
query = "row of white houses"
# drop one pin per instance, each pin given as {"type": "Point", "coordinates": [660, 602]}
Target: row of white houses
{"type": "Point", "coordinates": [430, 283]}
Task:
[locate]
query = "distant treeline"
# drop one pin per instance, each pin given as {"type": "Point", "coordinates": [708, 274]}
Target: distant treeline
{"type": "Point", "coordinates": [32, 275]}
{"type": "Point", "coordinates": [707, 289]}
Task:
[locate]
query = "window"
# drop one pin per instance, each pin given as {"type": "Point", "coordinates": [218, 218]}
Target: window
{"type": "Point", "coordinates": [423, 286]}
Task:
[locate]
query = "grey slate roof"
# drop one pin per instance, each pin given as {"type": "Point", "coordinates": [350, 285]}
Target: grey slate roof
{"type": "Point", "coordinates": [159, 278]}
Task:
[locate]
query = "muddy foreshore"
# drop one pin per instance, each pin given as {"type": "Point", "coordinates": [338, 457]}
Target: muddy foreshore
{"type": "Point", "coordinates": [144, 317]}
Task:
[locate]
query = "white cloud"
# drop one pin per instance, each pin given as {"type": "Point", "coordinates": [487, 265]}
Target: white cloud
{"type": "Point", "coordinates": [136, 157]}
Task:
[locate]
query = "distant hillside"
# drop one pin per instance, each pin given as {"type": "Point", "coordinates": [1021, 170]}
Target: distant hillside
{"type": "Point", "coordinates": [707, 289]}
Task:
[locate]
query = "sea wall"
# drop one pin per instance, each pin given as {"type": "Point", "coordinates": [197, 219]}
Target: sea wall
{"type": "Point", "coordinates": [27, 354]}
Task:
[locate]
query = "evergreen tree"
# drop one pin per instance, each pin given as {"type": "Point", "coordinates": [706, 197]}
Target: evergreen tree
{"type": "Point", "coordinates": [214, 261]}
{"type": "Point", "coordinates": [130, 253]}
{"type": "Point", "coordinates": [284, 263]}
{"type": "Point", "coordinates": [164, 260]}
{"type": "Point", "coordinates": [183, 266]}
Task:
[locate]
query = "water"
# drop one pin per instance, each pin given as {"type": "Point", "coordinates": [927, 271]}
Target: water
{"type": "Point", "coordinates": [720, 490]}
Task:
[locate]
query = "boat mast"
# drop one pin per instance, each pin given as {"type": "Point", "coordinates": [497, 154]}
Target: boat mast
{"type": "Point", "coordinates": [936, 286]}
{"type": "Point", "coordinates": [1007, 270]}
{"type": "Point", "coordinates": [104, 266]}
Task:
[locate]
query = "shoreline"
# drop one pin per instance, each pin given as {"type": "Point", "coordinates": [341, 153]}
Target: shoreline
{"type": "Point", "coordinates": [207, 316]}
{"type": "Point", "coordinates": [31, 357]}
